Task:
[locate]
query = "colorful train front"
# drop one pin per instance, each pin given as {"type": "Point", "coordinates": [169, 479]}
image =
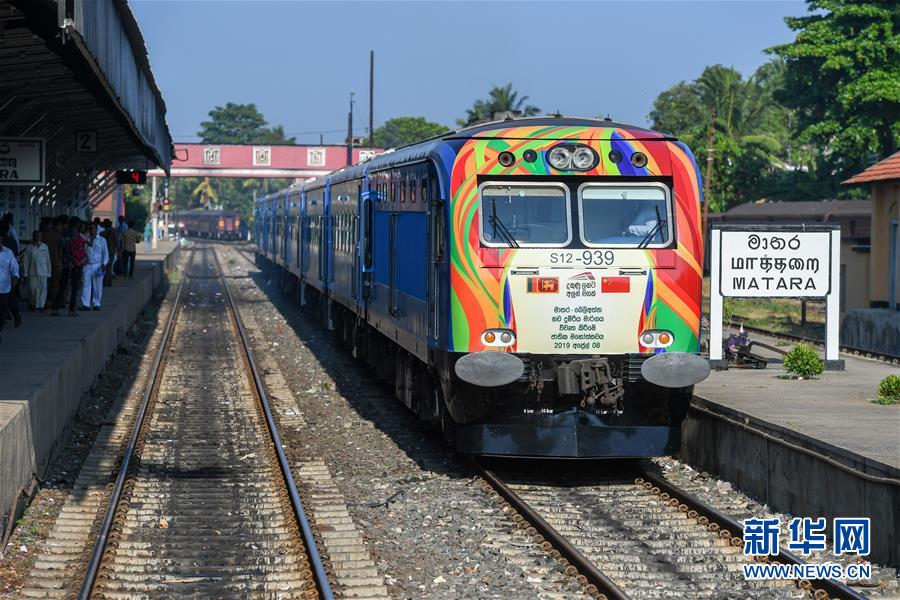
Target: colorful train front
{"type": "Point", "coordinates": [575, 290]}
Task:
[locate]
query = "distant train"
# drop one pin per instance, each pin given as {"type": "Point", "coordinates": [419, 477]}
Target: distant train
{"type": "Point", "coordinates": [213, 224]}
{"type": "Point", "coordinates": [533, 285]}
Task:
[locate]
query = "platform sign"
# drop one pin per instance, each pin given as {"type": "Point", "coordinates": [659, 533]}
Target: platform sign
{"type": "Point", "coordinates": [23, 161]}
{"type": "Point", "coordinates": [775, 261]}
{"type": "Point", "coordinates": [775, 264]}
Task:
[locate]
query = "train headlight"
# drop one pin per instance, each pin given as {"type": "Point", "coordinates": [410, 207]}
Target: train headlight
{"type": "Point", "coordinates": [657, 338]}
{"type": "Point", "coordinates": [639, 160]}
{"type": "Point", "coordinates": [560, 158]}
{"type": "Point", "coordinates": [506, 159]}
{"type": "Point", "coordinates": [498, 338]}
{"type": "Point", "coordinates": [584, 158]}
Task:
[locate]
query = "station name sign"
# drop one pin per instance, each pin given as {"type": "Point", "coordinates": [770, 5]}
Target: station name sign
{"type": "Point", "coordinates": [782, 264]}
{"type": "Point", "coordinates": [23, 161]}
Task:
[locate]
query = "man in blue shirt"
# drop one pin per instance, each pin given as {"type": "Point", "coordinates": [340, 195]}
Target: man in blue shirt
{"type": "Point", "coordinates": [9, 277]}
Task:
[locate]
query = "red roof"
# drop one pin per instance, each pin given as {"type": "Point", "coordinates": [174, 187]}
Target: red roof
{"type": "Point", "coordinates": [886, 170]}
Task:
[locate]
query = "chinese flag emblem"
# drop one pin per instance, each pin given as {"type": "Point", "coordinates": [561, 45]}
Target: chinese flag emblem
{"type": "Point", "coordinates": [543, 285]}
{"type": "Point", "coordinates": [615, 285]}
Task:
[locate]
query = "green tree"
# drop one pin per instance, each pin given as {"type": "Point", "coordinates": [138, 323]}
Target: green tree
{"type": "Point", "coordinates": [240, 124]}
{"type": "Point", "coordinates": [751, 129]}
{"type": "Point", "coordinates": [500, 99]}
{"type": "Point", "coordinates": [843, 78]}
{"type": "Point", "coordinates": [401, 131]}
{"type": "Point", "coordinates": [136, 206]}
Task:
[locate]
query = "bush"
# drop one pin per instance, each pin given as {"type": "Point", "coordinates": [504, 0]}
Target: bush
{"type": "Point", "coordinates": [803, 362]}
{"type": "Point", "coordinates": [889, 390]}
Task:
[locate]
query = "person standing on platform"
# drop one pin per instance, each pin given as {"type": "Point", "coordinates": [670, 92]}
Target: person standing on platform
{"type": "Point", "coordinates": [65, 227]}
{"type": "Point", "coordinates": [36, 269]}
{"type": "Point", "coordinates": [130, 238]}
{"type": "Point", "coordinates": [78, 254]}
{"type": "Point", "coordinates": [7, 240]}
{"type": "Point", "coordinates": [13, 232]}
{"type": "Point", "coordinates": [148, 237]}
{"type": "Point", "coordinates": [50, 236]}
{"type": "Point", "coordinates": [121, 226]}
{"type": "Point", "coordinates": [112, 245]}
{"type": "Point", "coordinates": [9, 277]}
{"type": "Point", "coordinates": [98, 258]}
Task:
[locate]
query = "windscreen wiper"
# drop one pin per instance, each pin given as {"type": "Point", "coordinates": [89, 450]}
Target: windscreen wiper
{"type": "Point", "coordinates": [660, 223]}
{"type": "Point", "coordinates": [498, 225]}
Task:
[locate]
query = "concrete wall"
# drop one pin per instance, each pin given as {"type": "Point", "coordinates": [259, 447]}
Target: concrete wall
{"type": "Point", "coordinates": [885, 208]}
{"type": "Point", "coordinates": [876, 329]}
{"type": "Point", "coordinates": [791, 481]}
{"type": "Point", "coordinates": [855, 286]}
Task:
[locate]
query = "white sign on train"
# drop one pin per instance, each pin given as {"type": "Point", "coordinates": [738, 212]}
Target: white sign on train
{"type": "Point", "coordinates": [22, 161]}
{"type": "Point", "coordinates": [782, 264]}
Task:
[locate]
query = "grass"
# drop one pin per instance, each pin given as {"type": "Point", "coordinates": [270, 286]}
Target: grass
{"type": "Point", "coordinates": [780, 315]}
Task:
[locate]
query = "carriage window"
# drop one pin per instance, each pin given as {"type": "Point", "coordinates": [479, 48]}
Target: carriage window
{"type": "Point", "coordinates": [525, 215]}
{"type": "Point", "coordinates": [617, 215]}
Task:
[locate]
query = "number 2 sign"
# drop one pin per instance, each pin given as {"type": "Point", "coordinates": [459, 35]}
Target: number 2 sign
{"type": "Point", "coordinates": [86, 141]}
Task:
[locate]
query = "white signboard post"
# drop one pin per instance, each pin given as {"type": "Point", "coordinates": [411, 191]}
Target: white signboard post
{"type": "Point", "coordinates": [775, 261]}
{"type": "Point", "coordinates": [23, 161]}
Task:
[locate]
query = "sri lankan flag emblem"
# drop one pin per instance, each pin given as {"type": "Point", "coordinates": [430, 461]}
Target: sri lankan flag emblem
{"type": "Point", "coordinates": [543, 285]}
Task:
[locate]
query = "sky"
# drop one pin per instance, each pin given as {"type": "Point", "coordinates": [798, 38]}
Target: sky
{"type": "Point", "coordinates": [299, 61]}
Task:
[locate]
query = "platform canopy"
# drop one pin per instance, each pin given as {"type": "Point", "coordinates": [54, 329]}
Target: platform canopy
{"type": "Point", "coordinates": [76, 79]}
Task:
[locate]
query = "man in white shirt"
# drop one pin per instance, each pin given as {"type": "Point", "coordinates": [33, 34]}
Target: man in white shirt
{"type": "Point", "coordinates": [9, 276]}
{"type": "Point", "coordinates": [36, 267]}
{"type": "Point", "coordinates": [92, 276]}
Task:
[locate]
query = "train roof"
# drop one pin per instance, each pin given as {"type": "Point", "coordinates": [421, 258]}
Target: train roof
{"type": "Point", "coordinates": [424, 149]}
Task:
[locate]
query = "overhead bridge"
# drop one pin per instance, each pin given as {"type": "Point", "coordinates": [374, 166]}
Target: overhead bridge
{"type": "Point", "coordinates": [261, 161]}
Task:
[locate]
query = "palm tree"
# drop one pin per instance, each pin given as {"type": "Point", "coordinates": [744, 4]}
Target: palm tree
{"type": "Point", "coordinates": [500, 99]}
{"type": "Point", "coordinates": [206, 193]}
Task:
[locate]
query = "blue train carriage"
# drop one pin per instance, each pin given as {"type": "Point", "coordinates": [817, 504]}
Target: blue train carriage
{"type": "Point", "coordinates": [533, 285]}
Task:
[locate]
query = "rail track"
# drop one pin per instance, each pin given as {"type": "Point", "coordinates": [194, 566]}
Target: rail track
{"type": "Point", "coordinates": [204, 504]}
{"type": "Point", "coordinates": [633, 535]}
{"type": "Point", "coordinates": [863, 352]}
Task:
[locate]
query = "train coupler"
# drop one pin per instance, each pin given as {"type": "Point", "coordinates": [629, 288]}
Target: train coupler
{"type": "Point", "coordinates": [594, 381]}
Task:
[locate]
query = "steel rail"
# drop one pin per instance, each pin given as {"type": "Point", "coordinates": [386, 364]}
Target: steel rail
{"type": "Point", "coordinates": [834, 589]}
{"type": "Point", "coordinates": [322, 582]}
{"type": "Point", "coordinates": [595, 576]}
{"type": "Point", "coordinates": [853, 350]}
{"type": "Point", "coordinates": [90, 575]}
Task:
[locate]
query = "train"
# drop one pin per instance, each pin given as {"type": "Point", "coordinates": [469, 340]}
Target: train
{"type": "Point", "coordinates": [212, 224]}
{"type": "Point", "coordinates": [532, 286]}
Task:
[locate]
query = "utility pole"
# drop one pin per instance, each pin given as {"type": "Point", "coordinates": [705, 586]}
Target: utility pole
{"type": "Point", "coordinates": [154, 215]}
{"type": "Point", "coordinates": [371, 97]}
{"type": "Point", "coordinates": [350, 133]}
{"type": "Point", "coordinates": [709, 162]}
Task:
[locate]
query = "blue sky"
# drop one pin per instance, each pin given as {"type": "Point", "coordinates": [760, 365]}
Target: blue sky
{"type": "Point", "coordinates": [298, 61]}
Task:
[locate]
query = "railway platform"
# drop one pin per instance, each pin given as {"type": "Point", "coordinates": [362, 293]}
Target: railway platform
{"type": "Point", "coordinates": [49, 363]}
{"type": "Point", "coordinates": [819, 447]}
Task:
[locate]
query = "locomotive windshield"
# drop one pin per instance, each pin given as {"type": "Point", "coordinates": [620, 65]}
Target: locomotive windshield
{"type": "Point", "coordinates": [525, 215]}
{"type": "Point", "coordinates": [624, 215]}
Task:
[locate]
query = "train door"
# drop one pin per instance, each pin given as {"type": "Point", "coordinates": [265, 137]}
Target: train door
{"type": "Point", "coordinates": [286, 234]}
{"type": "Point", "coordinates": [431, 197]}
{"type": "Point", "coordinates": [354, 233]}
{"type": "Point", "coordinates": [367, 234]}
{"type": "Point", "coordinates": [304, 236]}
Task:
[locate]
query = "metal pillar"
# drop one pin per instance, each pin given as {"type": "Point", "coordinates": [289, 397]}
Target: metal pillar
{"type": "Point", "coordinates": [154, 216]}
{"type": "Point", "coordinates": [716, 360]}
